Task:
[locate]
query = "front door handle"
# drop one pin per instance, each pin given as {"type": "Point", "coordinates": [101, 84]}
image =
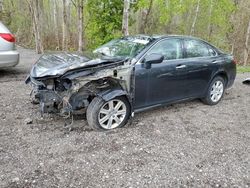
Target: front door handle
{"type": "Point", "coordinates": [181, 66]}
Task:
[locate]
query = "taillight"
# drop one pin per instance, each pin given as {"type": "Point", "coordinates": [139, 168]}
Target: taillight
{"type": "Point", "coordinates": [8, 37]}
{"type": "Point", "coordinates": [234, 61]}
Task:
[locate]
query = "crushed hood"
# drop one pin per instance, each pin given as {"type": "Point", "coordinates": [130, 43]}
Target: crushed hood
{"type": "Point", "coordinates": [58, 64]}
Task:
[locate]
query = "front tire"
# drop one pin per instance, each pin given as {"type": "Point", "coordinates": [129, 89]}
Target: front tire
{"type": "Point", "coordinates": [107, 115]}
{"type": "Point", "coordinates": [215, 91]}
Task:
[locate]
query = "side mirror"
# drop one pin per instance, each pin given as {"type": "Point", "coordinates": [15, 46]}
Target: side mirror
{"type": "Point", "coordinates": [153, 59]}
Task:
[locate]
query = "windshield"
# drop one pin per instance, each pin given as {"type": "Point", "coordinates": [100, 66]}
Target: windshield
{"type": "Point", "coordinates": [124, 47]}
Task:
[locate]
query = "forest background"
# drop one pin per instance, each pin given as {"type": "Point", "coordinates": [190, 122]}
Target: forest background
{"type": "Point", "coordinates": [71, 25]}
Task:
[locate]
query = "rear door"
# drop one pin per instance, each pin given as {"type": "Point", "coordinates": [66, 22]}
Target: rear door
{"type": "Point", "coordinates": [202, 61]}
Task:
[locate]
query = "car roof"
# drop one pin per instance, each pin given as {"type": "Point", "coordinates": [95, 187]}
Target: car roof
{"type": "Point", "coordinates": [159, 37]}
{"type": "Point", "coordinates": [168, 36]}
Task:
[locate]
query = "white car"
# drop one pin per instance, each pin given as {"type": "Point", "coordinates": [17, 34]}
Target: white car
{"type": "Point", "coordinates": [9, 56]}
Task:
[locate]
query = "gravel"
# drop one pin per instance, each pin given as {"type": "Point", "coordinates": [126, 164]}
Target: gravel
{"type": "Point", "coordinates": [182, 145]}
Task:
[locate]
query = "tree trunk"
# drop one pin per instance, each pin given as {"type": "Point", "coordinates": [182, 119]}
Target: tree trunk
{"type": "Point", "coordinates": [1, 9]}
{"type": "Point", "coordinates": [1, 6]}
{"type": "Point", "coordinates": [145, 15]}
{"type": "Point", "coordinates": [69, 17]}
{"type": "Point", "coordinates": [232, 48]}
{"type": "Point", "coordinates": [246, 50]}
{"type": "Point", "coordinates": [80, 25]}
{"type": "Point", "coordinates": [210, 27]}
{"type": "Point", "coordinates": [125, 18]}
{"type": "Point", "coordinates": [195, 18]}
{"type": "Point", "coordinates": [65, 25]}
{"type": "Point", "coordinates": [35, 12]}
{"type": "Point", "coordinates": [56, 24]}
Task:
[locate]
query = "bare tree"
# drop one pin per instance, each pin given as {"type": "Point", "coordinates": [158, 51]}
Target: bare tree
{"type": "Point", "coordinates": [79, 6]}
{"type": "Point", "coordinates": [246, 50]}
{"type": "Point", "coordinates": [210, 26]}
{"type": "Point", "coordinates": [1, 6]}
{"type": "Point", "coordinates": [125, 18]}
{"type": "Point", "coordinates": [195, 17]}
{"type": "Point", "coordinates": [35, 10]}
{"type": "Point", "coordinates": [80, 25]}
{"type": "Point", "coordinates": [55, 19]}
{"type": "Point", "coordinates": [145, 16]}
{"type": "Point", "coordinates": [1, 9]}
{"type": "Point", "coordinates": [65, 25]}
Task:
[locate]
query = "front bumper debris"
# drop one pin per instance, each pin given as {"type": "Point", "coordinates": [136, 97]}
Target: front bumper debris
{"type": "Point", "coordinates": [246, 81]}
{"type": "Point", "coordinates": [49, 101]}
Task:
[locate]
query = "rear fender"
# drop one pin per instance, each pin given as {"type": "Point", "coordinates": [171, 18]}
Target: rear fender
{"type": "Point", "coordinates": [221, 73]}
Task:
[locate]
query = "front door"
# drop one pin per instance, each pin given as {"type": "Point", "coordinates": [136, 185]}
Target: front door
{"type": "Point", "coordinates": [163, 82]}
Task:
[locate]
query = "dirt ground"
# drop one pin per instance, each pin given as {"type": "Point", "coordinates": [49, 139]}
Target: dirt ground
{"type": "Point", "coordinates": [184, 145]}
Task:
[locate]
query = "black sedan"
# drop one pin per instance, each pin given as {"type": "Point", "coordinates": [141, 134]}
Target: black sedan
{"type": "Point", "coordinates": [129, 75]}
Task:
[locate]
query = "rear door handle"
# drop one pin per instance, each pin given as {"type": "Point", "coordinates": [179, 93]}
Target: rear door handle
{"type": "Point", "coordinates": [181, 66]}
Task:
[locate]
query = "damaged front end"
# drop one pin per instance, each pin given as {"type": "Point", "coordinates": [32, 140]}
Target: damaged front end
{"type": "Point", "coordinates": [67, 83]}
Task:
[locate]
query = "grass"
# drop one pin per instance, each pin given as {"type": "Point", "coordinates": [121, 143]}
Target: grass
{"type": "Point", "coordinates": [243, 69]}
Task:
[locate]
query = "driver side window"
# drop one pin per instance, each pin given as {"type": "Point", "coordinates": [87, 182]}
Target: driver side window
{"type": "Point", "coordinates": [169, 48]}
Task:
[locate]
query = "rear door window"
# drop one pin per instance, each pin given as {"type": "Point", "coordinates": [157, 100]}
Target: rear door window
{"type": "Point", "coordinates": [196, 48]}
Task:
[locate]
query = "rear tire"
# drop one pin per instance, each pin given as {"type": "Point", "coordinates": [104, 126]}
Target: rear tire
{"type": "Point", "coordinates": [215, 91]}
{"type": "Point", "coordinates": [106, 115]}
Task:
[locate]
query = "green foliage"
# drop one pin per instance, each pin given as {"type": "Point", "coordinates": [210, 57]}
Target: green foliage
{"type": "Point", "coordinates": [176, 17]}
{"type": "Point", "coordinates": [243, 69]}
{"type": "Point", "coordinates": [104, 21]}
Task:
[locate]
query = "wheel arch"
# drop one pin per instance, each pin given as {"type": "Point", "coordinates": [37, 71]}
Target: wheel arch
{"type": "Point", "coordinates": [112, 93]}
{"type": "Point", "coordinates": [222, 74]}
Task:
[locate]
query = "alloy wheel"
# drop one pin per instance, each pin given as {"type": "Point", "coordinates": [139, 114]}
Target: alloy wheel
{"type": "Point", "coordinates": [112, 114]}
{"type": "Point", "coordinates": [217, 91]}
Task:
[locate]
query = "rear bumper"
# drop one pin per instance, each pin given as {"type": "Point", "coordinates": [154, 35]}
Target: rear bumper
{"type": "Point", "coordinates": [9, 58]}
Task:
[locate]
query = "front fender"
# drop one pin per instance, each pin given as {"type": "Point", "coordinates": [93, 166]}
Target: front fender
{"type": "Point", "coordinates": [110, 94]}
